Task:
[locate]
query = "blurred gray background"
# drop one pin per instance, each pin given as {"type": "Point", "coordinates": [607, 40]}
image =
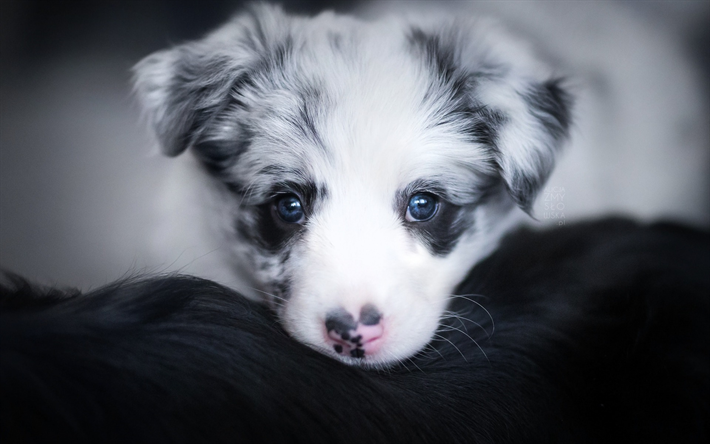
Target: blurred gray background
{"type": "Point", "coordinates": [76, 163]}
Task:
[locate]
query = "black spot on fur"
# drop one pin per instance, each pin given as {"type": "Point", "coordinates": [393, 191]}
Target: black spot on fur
{"type": "Point", "coordinates": [552, 105]}
{"type": "Point", "coordinates": [491, 186]}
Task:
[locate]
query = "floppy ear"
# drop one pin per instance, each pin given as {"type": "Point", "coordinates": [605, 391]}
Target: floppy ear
{"type": "Point", "coordinates": [502, 96]}
{"type": "Point", "coordinates": [536, 116]}
{"type": "Point", "coordinates": [183, 88]}
{"type": "Point", "coordinates": [531, 106]}
{"type": "Point", "coordinates": [533, 109]}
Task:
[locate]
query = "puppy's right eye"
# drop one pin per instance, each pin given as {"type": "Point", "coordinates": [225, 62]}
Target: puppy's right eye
{"type": "Point", "coordinates": [289, 209]}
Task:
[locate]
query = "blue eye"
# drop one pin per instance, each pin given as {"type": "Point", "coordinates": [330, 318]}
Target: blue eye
{"type": "Point", "coordinates": [422, 206]}
{"type": "Point", "coordinates": [289, 209]}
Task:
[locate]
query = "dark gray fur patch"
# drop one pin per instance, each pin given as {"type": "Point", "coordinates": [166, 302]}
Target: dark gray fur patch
{"type": "Point", "coordinates": [260, 224]}
{"type": "Point", "coordinates": [551, 105]}
{"type": "Point", "coordinates": [441, 233]}
{"type": "Point", "coordinates": [456, 86]}
{"type": "Point", "coordinates": [273, 240]}
{"type": "Point", "coordinates": [218, 156]}
{"type": "Point", "coordinates": [199, 88]}
{"type": "Point", "coordinates": [311, 102]}
{"type": "Point", "coordinates": [281, 289]}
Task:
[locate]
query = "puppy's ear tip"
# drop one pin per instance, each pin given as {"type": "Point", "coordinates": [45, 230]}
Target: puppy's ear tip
{"type": "Point", "coordinates": [526, 205]}
{"type": "Point", "coordinates": [530, 212]}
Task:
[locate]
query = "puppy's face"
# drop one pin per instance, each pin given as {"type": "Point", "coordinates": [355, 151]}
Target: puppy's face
{"type": "Point", "coordinates": [365, 167]}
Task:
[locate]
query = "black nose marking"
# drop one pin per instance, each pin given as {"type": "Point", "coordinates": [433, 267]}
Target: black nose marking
{"type": "Point", "coordinates": [357, 353]}
{"type": "Point", "coordinates": [369, 315]}
{"type": "Point", "coordinates": [338, 348]}
{"type": "Point", "coordinates": [341, 321]}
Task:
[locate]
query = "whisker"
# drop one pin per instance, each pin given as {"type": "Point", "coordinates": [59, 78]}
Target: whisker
{"type": "Point", "coordinates": [452, 344]}
{"type": "Point", "coordinates": [452, 315]}
{"type": "Point", "coordinates": [181, 269]}
{"type": "Point", "coordinates": [467, 297]}
{"type": "Point", "coordinates": [415, 364]}
{"type": "Point", "coordinates": [472, 340]}
{"type": "Point", "coordinates": [446, 315]}
{"type": "Point", "coordinates": [429, 345]}
{"type": "Point", "coordinates": [280, 298]}
{"type": "Point", "coordinates": [400, 362]}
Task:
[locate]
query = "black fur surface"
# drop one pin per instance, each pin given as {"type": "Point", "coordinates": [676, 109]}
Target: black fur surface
{"type": "Point", "coordinates": [601, 335]}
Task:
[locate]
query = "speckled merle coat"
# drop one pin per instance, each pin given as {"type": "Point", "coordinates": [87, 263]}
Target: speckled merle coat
{"type": "Point", "coordinates": [354, 164]}
{"type": "Point", "coordinates": [344, 170]}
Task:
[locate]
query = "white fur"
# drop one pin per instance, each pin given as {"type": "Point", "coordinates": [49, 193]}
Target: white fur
{"type": "Point", "coordinates": [379, 138]}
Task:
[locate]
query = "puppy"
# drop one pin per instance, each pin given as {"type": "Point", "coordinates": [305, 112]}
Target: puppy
{"type": "Point", "coordinates": [350, 173]}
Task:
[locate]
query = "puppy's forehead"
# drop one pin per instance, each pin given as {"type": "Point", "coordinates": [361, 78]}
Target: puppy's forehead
{"type": "Point", "coordinates": [353, 105]}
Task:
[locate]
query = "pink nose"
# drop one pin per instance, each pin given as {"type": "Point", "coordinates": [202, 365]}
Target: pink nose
{"type": "Point", "coordinates": [355, 338]}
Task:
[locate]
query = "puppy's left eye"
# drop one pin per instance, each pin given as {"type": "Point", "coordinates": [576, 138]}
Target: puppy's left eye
{"type": "Point", "coordinates": [422, 207]}
{"type": "Point", "coordinates": [289, 209]}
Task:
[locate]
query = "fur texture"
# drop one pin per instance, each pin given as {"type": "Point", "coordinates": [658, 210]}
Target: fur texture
{"type": "Point", "coordinates": [351, 122]}
{"type": "Point", "coordinates": [589, 333]}
{"type": "Point", "coordinates": [355, 119]}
